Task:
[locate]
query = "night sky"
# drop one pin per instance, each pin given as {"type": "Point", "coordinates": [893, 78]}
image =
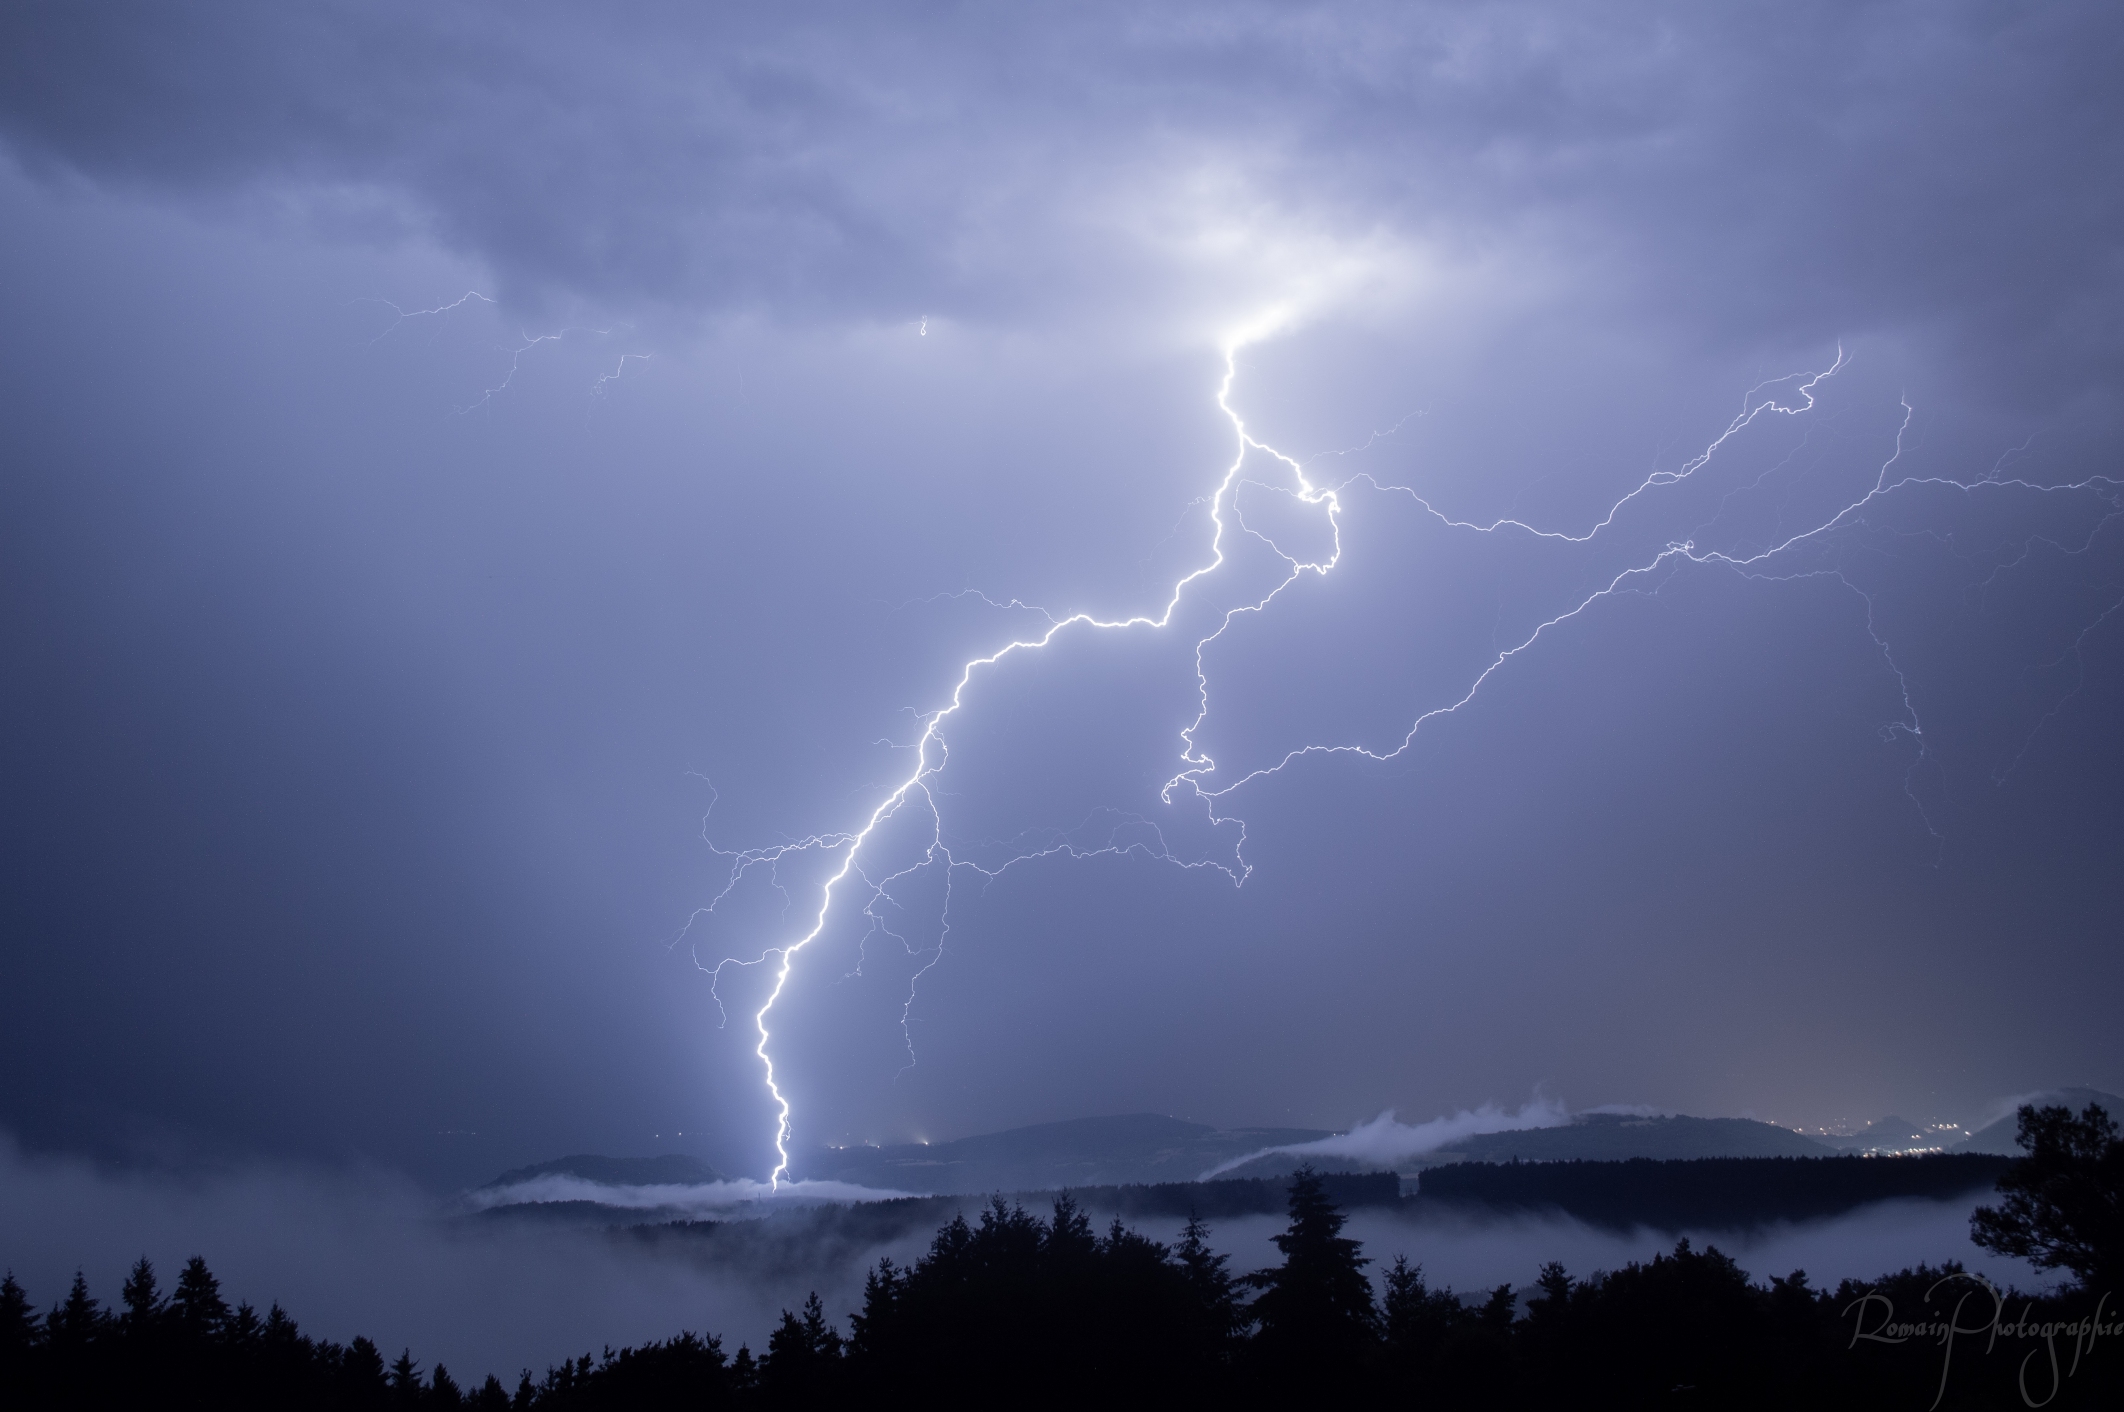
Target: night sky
{"type": "Point", "coordinates": [472, 471]}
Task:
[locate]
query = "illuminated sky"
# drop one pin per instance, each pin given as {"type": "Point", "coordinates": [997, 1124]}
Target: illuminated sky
{"type": "Point", "coordinates": [378, 651]}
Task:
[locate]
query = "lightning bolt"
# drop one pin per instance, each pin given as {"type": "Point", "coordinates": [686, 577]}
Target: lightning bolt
{"type": "Point", "coordinates": [598, 387]}
{"type": "Point", "coordinates": [526, 341]}
{"type": "Point", "coordinates": [1753, 407]}
{"type": "Point", "coordinates": [401, 315]}
{"type": "Point", "coordinates": [931, 754]}
{"type": "Point", "coordinates": [1791, 397]}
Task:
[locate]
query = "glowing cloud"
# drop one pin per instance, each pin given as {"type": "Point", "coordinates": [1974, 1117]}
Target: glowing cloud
{"type": "Point", "coordinates": [1383, 1142]}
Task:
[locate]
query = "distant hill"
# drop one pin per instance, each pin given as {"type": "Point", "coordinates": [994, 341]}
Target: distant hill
{"type": "Point", "coordinates": [1709, 1193]}
{"type": "Point", "coordinates": [1998, 1136]}
{"type": "Point", "coordinates": [1147, 1149]}
{"type": "Point", "coordinates": [1135, 1148]}
{"type": "Point", "coordinates": [669, 1170]}
{"type": "Point", "coordinates": [1588, 1137]}
{"type": "Point", "coordinates": [1616, 1137]}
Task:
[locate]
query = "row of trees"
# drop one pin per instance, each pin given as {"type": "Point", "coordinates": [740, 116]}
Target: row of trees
{"type": "Point", "coordinates": [1013, 1308]}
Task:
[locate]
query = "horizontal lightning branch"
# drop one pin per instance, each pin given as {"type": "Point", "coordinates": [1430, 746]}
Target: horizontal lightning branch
{"type": "Point", "coordinates": [524, 344]}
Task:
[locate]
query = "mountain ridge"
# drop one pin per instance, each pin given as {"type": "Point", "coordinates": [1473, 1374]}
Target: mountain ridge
{"type": "Point", "coordinates": [1117, 1150]}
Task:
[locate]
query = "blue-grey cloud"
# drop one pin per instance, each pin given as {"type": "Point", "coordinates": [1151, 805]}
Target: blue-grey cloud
{"type": "Point", "coordinates": [1756, 173]}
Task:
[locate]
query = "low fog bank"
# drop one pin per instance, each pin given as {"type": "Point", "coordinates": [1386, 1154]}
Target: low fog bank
{"type": "Point", "coordinates": [1475, 1253]}
{"type": "Point", "coordinates": [736, 1198]}
{"type": "Point", "coordinates": [367, 1252]}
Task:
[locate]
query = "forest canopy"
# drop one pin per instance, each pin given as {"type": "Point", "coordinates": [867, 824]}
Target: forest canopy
{"type": "Point", "coordinates": [1014, 1307]}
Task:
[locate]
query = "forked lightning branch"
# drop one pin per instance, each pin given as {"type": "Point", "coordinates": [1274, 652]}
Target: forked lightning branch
{"type": "Point", "coordinates": [853, 887]}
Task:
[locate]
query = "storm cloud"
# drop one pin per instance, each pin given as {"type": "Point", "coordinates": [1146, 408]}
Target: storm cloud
{"type": "Point", "coordinates": [1759, 175]}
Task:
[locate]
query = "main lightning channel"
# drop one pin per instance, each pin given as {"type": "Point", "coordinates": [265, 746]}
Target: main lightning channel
{"type": "Point", "coordinates": [931, 744]}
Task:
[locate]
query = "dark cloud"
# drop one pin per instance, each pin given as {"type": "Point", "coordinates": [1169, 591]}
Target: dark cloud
{"type": "Point", "coordinates": [1744, 175]}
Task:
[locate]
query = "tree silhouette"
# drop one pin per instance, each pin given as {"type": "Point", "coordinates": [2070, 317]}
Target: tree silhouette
{"type": "Point", "coordinates": [18, 1322]}
{"type": "Point", "coordinates": [142, 1300]}
{"type": "Point", "coordinates": [405, 1380]}
{"type": "Point", "coordinates": [76, 1323]}
{"type": "Point", "coordinates": [2064, 1205]}
{"type": "Point", "coordinates": [1212, 1291]}
{"type": "Point", "coordinates": [1417, 1318]}
{"type": "Point", "coordinates": [1068, 1241]}
{"type": "Point", "coordinates": [1025, 1312]}
{"type": "Point", "coordinates": [201, 1311]}
{"type": "Point", "coordinates": [1316, 1308]}
{"type": "Point", "coordinates": [361, 1370]}
{"type": "Point", "coordinates": [803, 1354]}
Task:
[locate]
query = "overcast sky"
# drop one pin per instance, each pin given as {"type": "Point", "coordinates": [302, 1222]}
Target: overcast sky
{"type": "Point", "coordinates": [471, 469]}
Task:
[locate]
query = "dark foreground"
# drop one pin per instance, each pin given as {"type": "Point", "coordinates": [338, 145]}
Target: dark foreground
{"type": "Point", "coordinates": [1017, 1310]}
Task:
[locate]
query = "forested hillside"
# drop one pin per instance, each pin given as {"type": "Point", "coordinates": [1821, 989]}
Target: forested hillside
{"type": "Point", "coordinates": [1023, 1310]}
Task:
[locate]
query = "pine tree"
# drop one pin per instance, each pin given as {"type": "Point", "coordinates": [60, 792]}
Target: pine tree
{"type": "Point", "coordinates": [143, 1301]}
{"type": "Point", "coordinates": [77, 1322]}
{"type": "Point", "coordinates": [1551, 1340]}
{"type": "Point", "coordinates": [361, 1369]}
{"type": "Point", "coordinates": [803, 1353]}
{"type": "Point", "coordinates": [870, 1329]}
{"type": "Point", "coordinates": [1548, 1309]}
{"type": "Point", "coordinates": [280, 1330]}
{"type": "Point", "coordinates": [1068, 1241]}
{"type": "Point", "coordinates": [1215, 1294]}
{"type": "Point", "coordinates": [405, 1380]}
{"type": "Point", "coordinates": [1316, 1309]}
{"type": "Point", "coordinates": [1499, 1309]}
{"type": "Point", "coordinates": [18, 1321]}
{"type": "Point", "coordinates": [1417, 1318]}
{"type": "Point", "coordinates": [201, 1311]}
